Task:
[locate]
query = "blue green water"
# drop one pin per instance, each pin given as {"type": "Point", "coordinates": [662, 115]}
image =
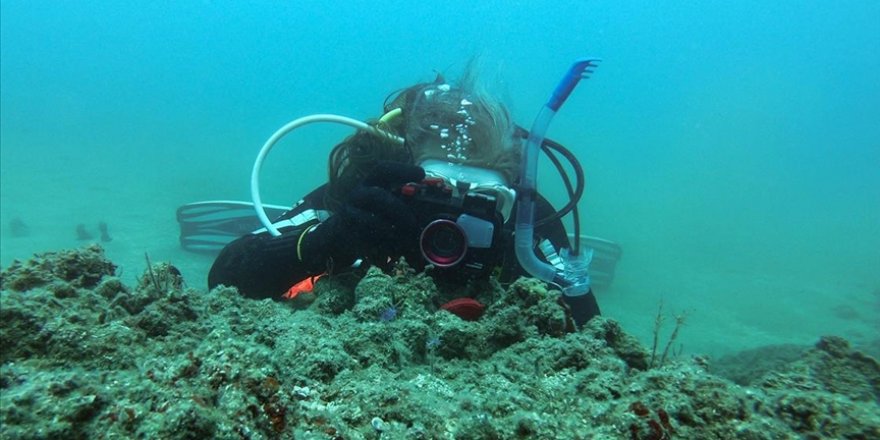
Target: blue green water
{"type": "Point", "coordinates": [731, 148]}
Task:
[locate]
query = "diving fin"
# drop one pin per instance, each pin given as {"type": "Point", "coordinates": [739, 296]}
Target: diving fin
{"type": "Point", "coordinates": [606, 253]}
{"type": "Point", "coordinates": [207, 227]}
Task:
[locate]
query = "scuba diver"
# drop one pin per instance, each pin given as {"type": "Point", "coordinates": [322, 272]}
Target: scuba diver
{"type": "Point", "coordinates": [445, 180]}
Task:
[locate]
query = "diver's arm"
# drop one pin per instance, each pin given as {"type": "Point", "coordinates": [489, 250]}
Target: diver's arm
{"type": "Point", "coordinates": [371, 223]}
{"type": "Point", "coordinates": [262, 266]}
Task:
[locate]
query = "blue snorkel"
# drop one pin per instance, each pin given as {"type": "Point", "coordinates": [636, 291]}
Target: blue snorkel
{"type": "Point", "coordinates": [572, 277]}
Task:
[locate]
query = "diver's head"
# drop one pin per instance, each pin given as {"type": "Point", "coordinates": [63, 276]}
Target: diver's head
{"type": "Point", "coordinates": [460, 124]}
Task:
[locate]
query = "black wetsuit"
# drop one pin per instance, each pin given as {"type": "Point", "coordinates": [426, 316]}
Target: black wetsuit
{"type": "Point", "coordinates": [263, 266]}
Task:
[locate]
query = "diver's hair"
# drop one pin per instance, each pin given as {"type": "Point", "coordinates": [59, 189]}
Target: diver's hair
{"type": "Point", "coordinates": [458, 123]}
{"type": "Point", "coordinates": [462, 124]}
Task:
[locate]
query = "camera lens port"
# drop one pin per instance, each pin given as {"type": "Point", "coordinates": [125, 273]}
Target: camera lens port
{"type": "Point", "coordinates": [443, 243]}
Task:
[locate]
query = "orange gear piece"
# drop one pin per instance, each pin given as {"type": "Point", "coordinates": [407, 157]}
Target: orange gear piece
{"type": "Point", "coordinates": [304, 286]}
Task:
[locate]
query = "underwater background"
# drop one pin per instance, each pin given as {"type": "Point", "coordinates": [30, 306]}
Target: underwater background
{"type": "Point", "coordinates": [731, 148]}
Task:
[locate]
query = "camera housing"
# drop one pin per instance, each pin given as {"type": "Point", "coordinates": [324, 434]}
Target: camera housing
{"type": "Point", "coordinates": [460, 228]}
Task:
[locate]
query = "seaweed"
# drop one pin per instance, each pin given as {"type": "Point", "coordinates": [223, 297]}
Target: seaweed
{"type": "Point", "coordinates": [658, 324]}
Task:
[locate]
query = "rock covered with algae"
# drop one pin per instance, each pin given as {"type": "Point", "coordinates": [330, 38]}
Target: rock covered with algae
{"type": "Point", "coordinates": [84, 356]}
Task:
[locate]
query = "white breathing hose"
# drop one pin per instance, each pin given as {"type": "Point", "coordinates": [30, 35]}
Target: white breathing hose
{"type": "Point", "coordinates": [290, 126]}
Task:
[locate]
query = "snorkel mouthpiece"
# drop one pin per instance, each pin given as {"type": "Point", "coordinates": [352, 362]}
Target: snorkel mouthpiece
{"type": "Point", "coordinates": [573, 278]}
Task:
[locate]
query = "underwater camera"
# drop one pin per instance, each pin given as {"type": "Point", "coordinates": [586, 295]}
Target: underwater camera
{"type": "Point", "coordinates": [459, 228]}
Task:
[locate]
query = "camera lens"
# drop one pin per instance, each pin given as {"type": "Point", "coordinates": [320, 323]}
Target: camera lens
{"type": "Point", "coordinates": [443, 243]}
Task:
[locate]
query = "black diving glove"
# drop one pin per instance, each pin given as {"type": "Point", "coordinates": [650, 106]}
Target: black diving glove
{"type": "Point", "coordinates": [372, 224]}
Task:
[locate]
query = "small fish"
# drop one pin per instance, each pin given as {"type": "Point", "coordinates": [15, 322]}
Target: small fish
{"type": "Point", "coordinates": [82, 233]}
{"type": "Point", "coordinates": [388, 314]}
{"type": "Point", "coordinates": [304, 286]}
{"type": "Point", "coordinates": [18, 228]}
{"type": "Point", "coordinates": [105, 236]}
